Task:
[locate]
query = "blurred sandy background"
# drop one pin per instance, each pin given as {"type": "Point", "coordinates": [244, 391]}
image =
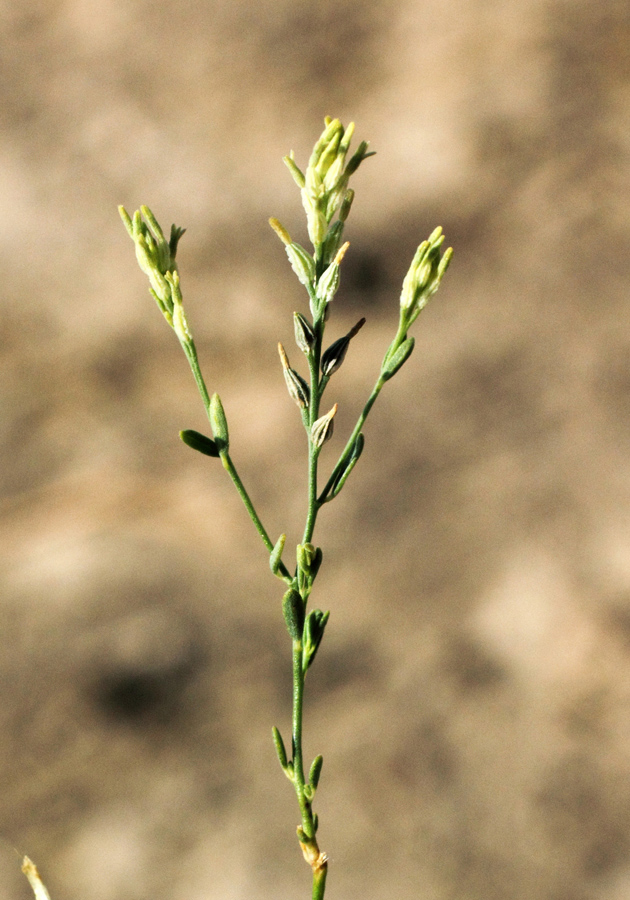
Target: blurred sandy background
{"type": "Point", "coordinates": [472, 697]}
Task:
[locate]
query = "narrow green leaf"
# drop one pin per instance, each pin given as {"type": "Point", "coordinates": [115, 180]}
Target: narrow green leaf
{"type": "Point", "coordinates": [316, 771]}
{"type": "Point", "coordinates": [341, 479]}
{"type": "Point", "coordinates": [398, 359]}
{"type": "Point", "coordinates": [293, 610]}
{"type": "Point", "coordinates": [199, 442]}
{"type": "Point", "coordinates": [313, 634]}
{"type": "Point", "coordinates": [280, 748]}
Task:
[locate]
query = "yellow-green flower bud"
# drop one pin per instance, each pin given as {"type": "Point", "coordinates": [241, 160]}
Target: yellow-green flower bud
{"type": "Point", "coordinates": [425, 274]}
{"type": "Point", "coordinates": [328, 284]}
{"type": "Point", "coordinates": [298, 175]}
{"type": "Point", "coordinates": [280, 230]}
{"type": "Point", "coordinates": [302, 263]}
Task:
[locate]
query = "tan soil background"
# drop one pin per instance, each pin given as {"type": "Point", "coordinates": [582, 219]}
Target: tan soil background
{"type": "Point", "coordinates": [472, 697]}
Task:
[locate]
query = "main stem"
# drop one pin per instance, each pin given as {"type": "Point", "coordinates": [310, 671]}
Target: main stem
{"type": "Point", "coordinates": [317, 860]}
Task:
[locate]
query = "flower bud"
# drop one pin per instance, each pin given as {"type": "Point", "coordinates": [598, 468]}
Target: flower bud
{"type": "Point", "coordinates": [304, 334]}
{"type": "Point", "coordinates": [302, 263]}
{"type": "Point", "coordinates": [298, 175]}
{"type": "Point", "coordinates": [333, 357]}
{"type": "Point", "coordinates": [328, 284]}
{"type": "Point", "coordinates": [309, 559]}
{"type": "Point", "coordinates": [425, 274]}
{"type": "Point", "coordinates": [322, 429]}
{"type": "Point", "coordinates": [219, 424]}
{"type": "Point", "coordinates": [275, 558]}
{"type": "Point", "coordinates": [280, 230]}
{"type": "Point", "coordinates": [298, 388]}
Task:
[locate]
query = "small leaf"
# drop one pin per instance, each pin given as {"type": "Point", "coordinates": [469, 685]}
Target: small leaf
{"type": "Point", "coordinates": [199, 442]}
{"type": "Point", "coordinates": [280, 748]}
{"type": "Point", "coordinates": [313, 634]}
{"type": "Point", "coordinates": [344, 211]}
{"type": "Point", "coordinates": [293, 610]}
{"type": "Point", "coordinates": [316, 771]}
{"type": "Point", "coordinates": [398, 359]}
{"type": "Point", "coordinates": [342, 477]}
{"type": "Point", "coordinates": [297, 387]}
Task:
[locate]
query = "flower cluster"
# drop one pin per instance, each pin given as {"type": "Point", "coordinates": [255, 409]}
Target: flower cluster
{"type": "Point", "coordinates": [424, 276]}
{"type": "Point", "coordinates": [156, 258]}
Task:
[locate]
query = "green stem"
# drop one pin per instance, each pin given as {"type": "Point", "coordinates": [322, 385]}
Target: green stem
{"type": "Point", "coordinates": [298, 761]}
{"type": "Point", "coordinates": [341, 463]}
{"type": "Point", "coordinates": [319, 882]}
{"type": "Point", "coordinates": [313, 413]}
{"type": "Point", "coordinates": [191, 355]}
{"type": "Point", "coordinates": [401, 334]}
